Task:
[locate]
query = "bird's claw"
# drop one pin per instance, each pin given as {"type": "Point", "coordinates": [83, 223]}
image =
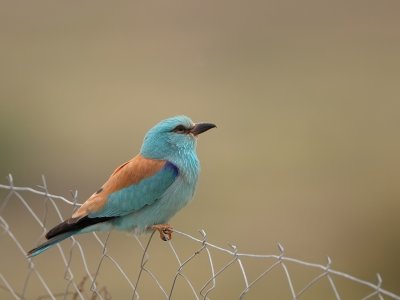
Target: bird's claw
{"type": "Point", "coordinates": [165, 231]}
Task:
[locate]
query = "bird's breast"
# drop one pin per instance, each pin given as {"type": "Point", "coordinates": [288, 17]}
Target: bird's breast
{"type": "Point", "coordinates": [176, 196]}
{"type": "Point", "coordinates": [188, 166]}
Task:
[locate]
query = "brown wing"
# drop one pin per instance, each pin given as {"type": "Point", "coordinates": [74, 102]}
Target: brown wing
{"type": "Point", "coordinates": [131, 172]}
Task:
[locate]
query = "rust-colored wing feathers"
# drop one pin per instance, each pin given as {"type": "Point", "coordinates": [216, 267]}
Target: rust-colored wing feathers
{"type": "Point", "coordinates": [131, 172]}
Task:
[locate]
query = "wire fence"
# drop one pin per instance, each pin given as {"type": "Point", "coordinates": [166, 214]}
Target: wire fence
{"type": "Point", "coordinates": [116, 266]}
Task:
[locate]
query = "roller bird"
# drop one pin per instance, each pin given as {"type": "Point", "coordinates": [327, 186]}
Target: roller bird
{"type": "Point", "coordinates": [144, 193]}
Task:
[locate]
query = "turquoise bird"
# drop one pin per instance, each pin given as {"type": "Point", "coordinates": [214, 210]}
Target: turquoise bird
{"type": "Point", "coordinates": [146, 191]}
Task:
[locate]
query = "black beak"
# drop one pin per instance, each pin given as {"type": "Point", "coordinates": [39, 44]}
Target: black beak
{"type": "Point", "coordinates": [201, 127]}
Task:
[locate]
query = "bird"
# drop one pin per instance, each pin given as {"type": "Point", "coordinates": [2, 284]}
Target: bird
{"type": "Point", "coordinates": [144, 193]}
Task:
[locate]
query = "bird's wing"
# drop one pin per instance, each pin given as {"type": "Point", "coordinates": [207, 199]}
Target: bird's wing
{"type": "Point", "coordinates": [133, 185]}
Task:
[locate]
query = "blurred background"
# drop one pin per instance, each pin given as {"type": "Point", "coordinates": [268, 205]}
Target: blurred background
{"type": "Point", "coordinates": [305, 94]}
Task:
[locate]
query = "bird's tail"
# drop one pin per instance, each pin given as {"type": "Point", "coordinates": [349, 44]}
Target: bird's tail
{"type": "Point", "coordinates": [66, 229]}
{"type": "Point", "coordinates": [50, 243]}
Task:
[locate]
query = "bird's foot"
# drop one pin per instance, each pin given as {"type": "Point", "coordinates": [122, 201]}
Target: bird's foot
{"type": "Point", "coordinates": [165, 231]}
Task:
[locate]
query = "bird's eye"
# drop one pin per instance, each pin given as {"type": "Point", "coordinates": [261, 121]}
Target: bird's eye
{"type": "Point", "coordinates": [180, 129]}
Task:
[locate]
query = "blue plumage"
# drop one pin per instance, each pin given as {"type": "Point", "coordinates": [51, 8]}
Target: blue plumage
{"type": "Point", "coordinates": [136, 196]}
{"type": "Point", "coordinates": [145, 192]}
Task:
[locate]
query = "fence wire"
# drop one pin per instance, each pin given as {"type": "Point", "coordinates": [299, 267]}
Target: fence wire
{"type": "Point", "coordinates": [188, 267]}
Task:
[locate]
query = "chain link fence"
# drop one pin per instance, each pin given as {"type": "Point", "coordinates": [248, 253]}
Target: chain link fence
{"type": "Point", "coordinates": [123, 266]}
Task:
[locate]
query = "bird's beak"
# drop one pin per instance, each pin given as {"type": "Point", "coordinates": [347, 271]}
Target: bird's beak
{"type": "Point", "coordinates": [201, 127]}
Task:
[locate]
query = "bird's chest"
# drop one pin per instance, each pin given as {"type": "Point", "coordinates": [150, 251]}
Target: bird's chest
{"type": "Point", "coordinates": [182, 190]}
{"type": "Point", "coordinates": [173, 199]}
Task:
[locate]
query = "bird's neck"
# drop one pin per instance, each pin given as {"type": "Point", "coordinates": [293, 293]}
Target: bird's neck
{"type": "Point", "coordinates": [185, 158]}
{"type": "Point", "coordinates": [188, 165]}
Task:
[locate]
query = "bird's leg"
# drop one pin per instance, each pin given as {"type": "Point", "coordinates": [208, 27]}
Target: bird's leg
{"type": "Point", "coordinates": [165, 231]}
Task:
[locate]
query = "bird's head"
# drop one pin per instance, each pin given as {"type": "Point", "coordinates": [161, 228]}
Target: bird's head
{"type": "Point", "coordinates": [172, 137]}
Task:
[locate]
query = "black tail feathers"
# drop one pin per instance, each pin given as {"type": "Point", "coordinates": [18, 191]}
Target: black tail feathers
{"type": "Point", "coordinates": [65, 230]}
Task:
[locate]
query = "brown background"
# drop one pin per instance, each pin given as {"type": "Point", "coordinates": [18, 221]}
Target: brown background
{"type": "Point", "coordinates": [305, 95]}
